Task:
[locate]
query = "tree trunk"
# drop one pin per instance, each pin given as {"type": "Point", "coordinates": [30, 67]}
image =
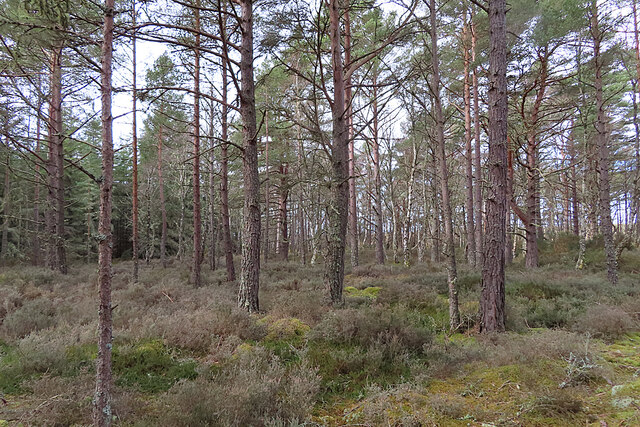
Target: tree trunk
{"type": "Point", "coordinates": [635, 206]}
{"type": "Point", "coordinates": [533, 172]}
{"type": "Point", "coordinates": [508, 247]}
{"type": "Point", "coordinates": [36, 258]}
{"type": "Point", "coordinates": [213, 222]}
{"type": "Point", "coordinates": [471, 236]}
{"type": "Point", "coordinates": [377, 179]}
{"type": "Point", "coordinates": [449, 249]}
{"type": "Point", "coordinates": [134, 191]}
{"type": "Point", "coordinates": [163, 208]}
{"type": "Point", "coordinates": [55, 168]}
{"type": "Point", "coordinates": [575, 207]}
{"type": "Point", "coordinates": [6, 205]}
{"type": "Point", "coordinates": [283, 199]}
{"type": "Point", "coordinates": [353, 207]}
{"type": "Point", "coordinates": [250, 275]}
{"type": "Point", "coordinates": [224, 173]}
{"type": "Point", "coordinates": [603, 153]}
{"type": "Point", "coordinates": [406, 232]}
{"type": "Point", "coordinates": [477, 188]}
{"type": "Point", "coordinates": [102, 415]}
{"type": "Point", "coordinates": [266, 190]}
{"type": "Point", "coordinates": [339, 186]}
{"type": "Point", "coordinates": [197, 219]}
{"type": "Point", "coordinates": [492, 298]}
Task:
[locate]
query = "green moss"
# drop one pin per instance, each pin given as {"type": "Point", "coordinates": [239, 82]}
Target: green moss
{"type": "Point", "coordinates": [285, 336]}
{"type": "Point", "coordinates": [346, 370]}
{"type": "Point", "coordinates": [370, 292]}
{"type": "Point", "coordinates": [288, 328]}
{"type": "Point", "coordinates": [150, 367]}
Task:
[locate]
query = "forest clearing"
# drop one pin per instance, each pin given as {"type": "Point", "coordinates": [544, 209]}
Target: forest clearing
{"type": "Point", "coordinates": [325, 212]}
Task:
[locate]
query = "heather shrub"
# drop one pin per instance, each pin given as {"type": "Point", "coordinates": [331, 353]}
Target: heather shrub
{"type": "Point", "coordinates": [306, 306]}
{"type": "Point", "coordinates": [410, 295]}
{"type": "Point", "coordinates": [50, 351]}
{"type": "Point", "coordinates": [196, 330]}
{"type": "Point", "coordinates": [30, 317]}
{"type": "Point", "coordinates": [223, 348]}
{"type": "Point", "coordinates": [555, 403]}
{"type": "Point", "coordinates": [552, 313]}
{"type": "Point", "coordinates": [372, 270]}
{"type": "Point", "coordinates": [380, 407]}
{"type": "Point", "coordinates": [511, 348]}
{"type": "Point", "coordinates": [10, 300]}
{"type": "Point", "coordinates": [604, 321]}
{"type": "Point", "coordinates": [373, 325]}
{"type": "Point", "coordinates": [63, 401]}
{"type": "Point", "coordinates": [253, 388]}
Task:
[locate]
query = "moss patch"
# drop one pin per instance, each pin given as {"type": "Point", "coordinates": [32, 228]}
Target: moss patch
{"type": "Point", "coordinates": [370, 292]}
{"type": "Point", "coordinates": [150, 367]}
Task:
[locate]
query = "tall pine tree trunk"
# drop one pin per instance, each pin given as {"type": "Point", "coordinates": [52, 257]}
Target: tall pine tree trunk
{"type": "Point", "coordinates": [603, 152]}
{"type": "Point", "coordinates": [134, 191]}
{"type": "Point", "coordinates": [353, 206]}
{"type": "Point", "coordinates": [267, 190]}
{"type": "Point", "coordinates": [377, 178]}
{"type": "Point", "coordinates": [477, 188]}
{"type": "Point", "coordinates": [283, 225]}
{"type": "Point", "coordinates": [6, 206]}
{"type": "Point", "coordinates": [449, 249]}
{"type": "Point", "coordinates": [55, 168]}
{"type": "Point", "coordinates": [102, 415]}
{"type": "Point", "coordinates": [471, 232]}
{"type": "Point", "coordinates": [197, 219]}
{"type": "Point", "coordinates": [163, 207]}
{"type": "Point", "coordinates": [492, 299]}
{"type": "Point", "coordinates": [250, 275]}
{"type": "Point", "coordinates": [213, 221]}
{"type": "Point", "coordinates": [339, 191]}
{"type": "Point", "coordinates": [36, 256]}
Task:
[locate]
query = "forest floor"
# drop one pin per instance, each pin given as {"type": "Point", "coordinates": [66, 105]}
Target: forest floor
{"type": "Point", "coordinates": [185, 356]}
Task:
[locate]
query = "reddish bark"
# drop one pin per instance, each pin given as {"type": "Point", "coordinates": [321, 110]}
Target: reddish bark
{"type": "Point", "coordinates": [492, 299]}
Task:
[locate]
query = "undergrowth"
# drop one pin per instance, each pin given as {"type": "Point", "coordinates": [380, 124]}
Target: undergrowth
{"type": "Point", "coordinates": [185, 356]}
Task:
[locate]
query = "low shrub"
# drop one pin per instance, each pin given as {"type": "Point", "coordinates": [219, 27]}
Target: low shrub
{"type": "Point", "coordinates": [373, 325]}
{"type": "Point", "coordinates": [604, 321]}
{"type": "Point", "coordinates": [32, 316]}
{"type": "Point", "coordinates": [253, 388]}
{"type": "Point", "coordinates": [196, 330]}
